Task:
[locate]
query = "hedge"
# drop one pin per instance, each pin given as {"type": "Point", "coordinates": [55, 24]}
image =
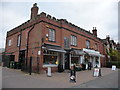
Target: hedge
{"type": "Point", "coordinates": [109, 64]}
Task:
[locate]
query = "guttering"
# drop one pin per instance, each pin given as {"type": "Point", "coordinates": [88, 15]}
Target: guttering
{"type": "Point", "coordinates": [28, 45]}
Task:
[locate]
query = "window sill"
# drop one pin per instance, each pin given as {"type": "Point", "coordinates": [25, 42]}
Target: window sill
{"type": "Point", "coordinates": [52, 41]}
{"type": "Point", "coordinates": [74, 45]}
{"type": "Point", "coordinates": [50, 65]}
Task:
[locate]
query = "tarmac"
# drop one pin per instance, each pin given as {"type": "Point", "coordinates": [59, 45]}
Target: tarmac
{"type": "Point", "coordinates": [57, 80]}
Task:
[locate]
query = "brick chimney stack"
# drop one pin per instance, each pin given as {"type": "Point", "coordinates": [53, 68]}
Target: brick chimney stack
{"type": "Point", "coordinates": [94, 31]}
{"type": "Point", "coordinates": [34, 11]}
{"type": "Point", "coordinates": [108, 37]}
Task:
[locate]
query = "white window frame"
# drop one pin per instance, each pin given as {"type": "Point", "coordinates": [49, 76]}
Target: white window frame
{"type": "Point", "coordinates": [73, 40]}
{"type": "Point", "coordinates": [18, 40]}
{"type": "Point", "coordinates": [51, 35]}
{"type": "Point", "coordinates": [9, 42]}
{"type": "Point", "coordinates": [87, 43]}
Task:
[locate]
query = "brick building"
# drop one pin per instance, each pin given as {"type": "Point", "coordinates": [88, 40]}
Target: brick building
{"type": "Point", "coordinates": [53, 42]}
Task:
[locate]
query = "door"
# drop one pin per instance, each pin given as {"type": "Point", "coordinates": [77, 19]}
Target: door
{"type": "Point", "coordinates": [22, 59]}
{"type": "Point", "coordinates": [67, 61]}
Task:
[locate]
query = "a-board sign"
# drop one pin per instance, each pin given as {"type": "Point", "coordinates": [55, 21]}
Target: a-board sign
{"type": "Point", "coordinates": [72, 76]}
{"type": "Point", "coordinates": [97, 72]}
{"type": "Point", "coordinates": [113, 67]}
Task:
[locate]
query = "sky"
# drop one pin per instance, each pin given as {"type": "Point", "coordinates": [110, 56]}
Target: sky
{"type": "Point", "coordinates": [102, 14]}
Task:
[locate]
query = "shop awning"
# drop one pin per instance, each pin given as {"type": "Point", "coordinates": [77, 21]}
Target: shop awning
{"type": "Point", "coordinates": [77, 52]}
{"type": "Point", "coordinates": [92, 52]}
{"type": "Point", "coordinates": [54, 48]}
{"type": "Point", "coordinates": [96, 54]}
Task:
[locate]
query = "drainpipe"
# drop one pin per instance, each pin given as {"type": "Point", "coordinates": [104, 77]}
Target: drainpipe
{"type": "Point", "coordinates": [20, 46]}
{"type": "Point", "coordinates": [27, 46]}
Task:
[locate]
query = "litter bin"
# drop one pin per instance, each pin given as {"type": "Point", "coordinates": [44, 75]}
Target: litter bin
{"type": "Point", "coordinates": [11, 64]}
{"type": "Point", "coordinates": [49, 72]}
{"type": "Point", "coordinates": [16, 64]}
{"type": "Point", "coordinates": [83, 67]}
{"type": "Point", "coordinates": [60, 68]}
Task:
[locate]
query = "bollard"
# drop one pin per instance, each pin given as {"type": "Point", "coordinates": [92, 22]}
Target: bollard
{"type": "Point", "coordinates": [30, 66]}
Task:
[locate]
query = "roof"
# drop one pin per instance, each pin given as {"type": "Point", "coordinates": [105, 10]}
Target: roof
{"type": "Point", "coordinates": [36, 20]}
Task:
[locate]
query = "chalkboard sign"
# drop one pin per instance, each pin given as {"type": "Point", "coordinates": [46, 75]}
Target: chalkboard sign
{"type": "Point", "coordinates": [97, 72]}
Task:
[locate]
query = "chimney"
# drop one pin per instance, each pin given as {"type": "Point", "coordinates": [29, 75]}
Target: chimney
{"type": "Point", "coordinates": [94, 31]}
{"type": "Point", "coordinates": [108, 37]}
{"type": "Point", "coordinates": [34, 11]}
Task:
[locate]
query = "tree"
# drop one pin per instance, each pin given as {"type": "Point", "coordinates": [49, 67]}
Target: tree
{"type": "Point", "coordinates": [114, 54]}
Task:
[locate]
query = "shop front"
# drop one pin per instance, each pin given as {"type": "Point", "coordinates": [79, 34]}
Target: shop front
{"type": "Point", "coordinates": [53, 57]}
{"type": "Point", "coordinates": [93, 57]}
{"type": "Point", "coordinates": [76, 57]}
{"type": "Point", "coordinates": [73, 57]}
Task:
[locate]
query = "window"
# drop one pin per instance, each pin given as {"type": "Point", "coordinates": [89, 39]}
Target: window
{"type": "Point", "coordinates": [87, 44]}
{"type": "Point", "coordinates": [51, 35]}
{"type": "Point", "coordinates": [73, 40]}
{"type": "Point", "coordinates": [66, 42]}
{"type": "Point", "coordinates": [50, 57]}
{"type": "Point", "coordinates": [9, 42]}
{"type": "Point", "coordinates": [96, 46]}
{"type": "Point", "coordinates": [18, 41]}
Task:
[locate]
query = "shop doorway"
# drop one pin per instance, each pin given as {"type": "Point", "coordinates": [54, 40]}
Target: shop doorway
{"type": "Point", "coordinates": [22, 60]}
{"type": "Point", "coordinates": [67, 61]}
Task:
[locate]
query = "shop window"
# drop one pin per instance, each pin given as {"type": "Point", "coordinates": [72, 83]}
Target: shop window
{"type": "Point", "coordinates": [9, 42]}
{"type": "Point", "coordinates": [96, 60]}
{"type": "Point", "coordinates": [75, 60]}
{"type": "Point", "coordinates": [18, 41]}
{"type": "Point", "coordinates": [51, 35]}
{"type": "Point", "coordinates": [73, 40]}
{"type": "Point", "coordinates": [50, 57]}
{"type": "Point", "coordinates": [87, 44]}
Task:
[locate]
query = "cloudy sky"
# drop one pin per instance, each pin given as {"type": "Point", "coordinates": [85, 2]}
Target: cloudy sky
{"type": "Point", "coordinates": [86, 14]}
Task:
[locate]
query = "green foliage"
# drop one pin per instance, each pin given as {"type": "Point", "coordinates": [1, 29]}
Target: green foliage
{"type": "Point", "coordinates": [114, 53]}
{"type": "Point", "coordinates": [109, 64]}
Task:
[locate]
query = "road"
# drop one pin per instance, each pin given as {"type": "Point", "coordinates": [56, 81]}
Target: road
{"type": "Point", "coordinates": [108, 81]}
{"type": "Point", "coordinates": [16, 79]}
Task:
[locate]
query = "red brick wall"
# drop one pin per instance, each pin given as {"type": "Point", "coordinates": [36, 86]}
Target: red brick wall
{"type": "Point", "coordinates": [41, 29]}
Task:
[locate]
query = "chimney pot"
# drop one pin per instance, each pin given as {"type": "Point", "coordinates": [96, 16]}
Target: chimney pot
{"type": "Point", "coordinates": [94, 31]}
{"type": "Point", "coordinates": [34, 11]}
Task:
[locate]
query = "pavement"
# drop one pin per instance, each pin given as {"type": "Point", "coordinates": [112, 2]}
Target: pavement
{"type": "Point", "coordinates": [0, 77]}
{"type": "Point", "coordinates": [12, 78]}
{"type": "Point", "coordinates": [108, 81]}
